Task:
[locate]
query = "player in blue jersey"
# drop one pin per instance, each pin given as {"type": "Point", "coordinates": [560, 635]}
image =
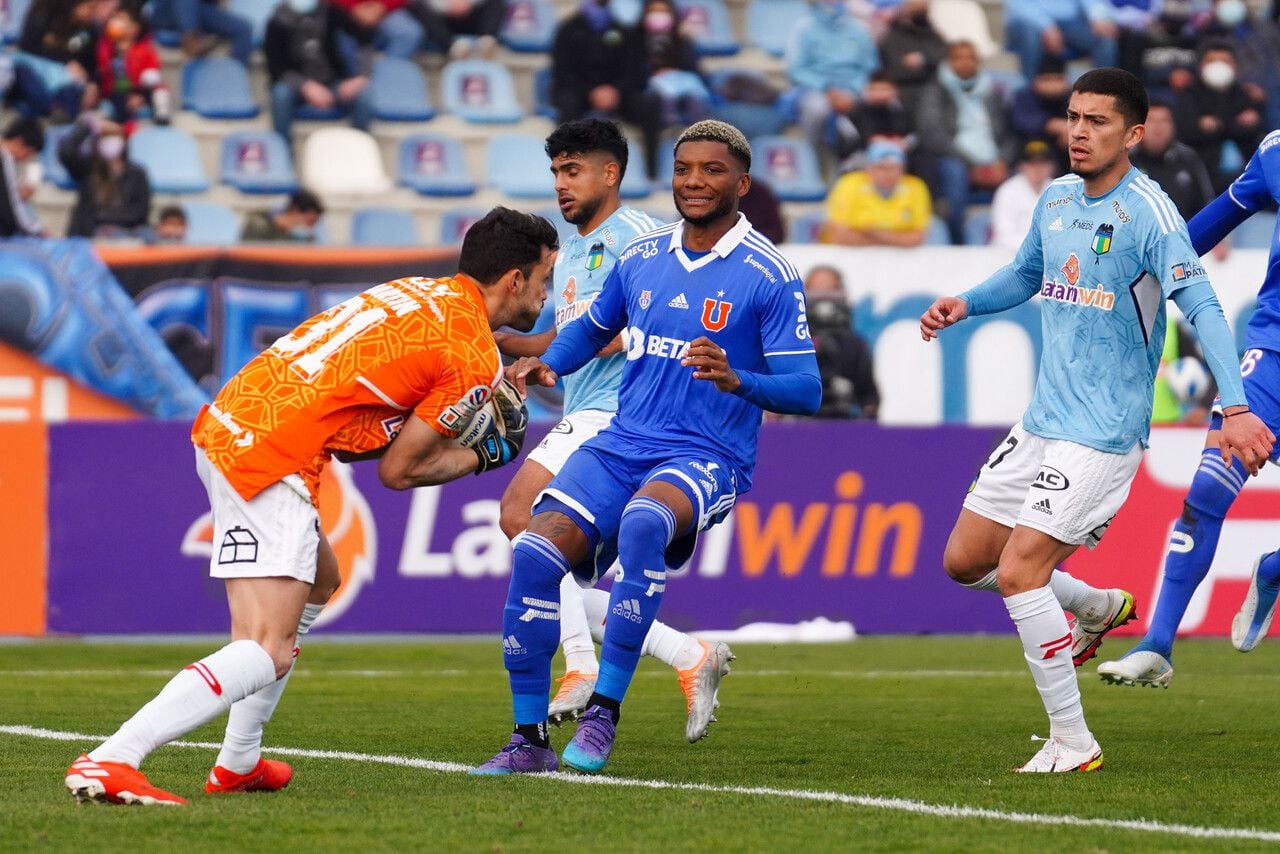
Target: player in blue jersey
{"type": "Point", "coordinates": [1217, 482]}
{"type": "Point", "coordinates": [1105, 250]}
{"type": "Point", "coordinates": [588, 159]}
{"type": "Point", "coordinates": [714, 330]}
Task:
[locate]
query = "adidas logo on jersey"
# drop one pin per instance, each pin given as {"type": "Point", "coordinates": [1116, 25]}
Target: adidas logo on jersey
{"type": "Point", "coordinates": [1043, 506]}
{"type": "Point", "coordinates": [1057, 225]}
{"type": "Point", "coordinates": [629, 609]}
{"type": "Point", "coordinates": [678, 301]}
{"type": "Point", "coordinates": [511, 646]}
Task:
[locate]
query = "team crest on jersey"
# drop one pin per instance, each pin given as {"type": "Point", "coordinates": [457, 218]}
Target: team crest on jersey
{"type": "Point", "coordinates": [595, 257]}
{"type": "Point", "coordinates": [1102, 238]}
{"type": "Point", "coordinates": [570, 292]}
{"type": "Point", "coordinates": [646, 297]}
{"type": "Point", "coordinates": [1071, 269]}
{"type": "Point", "coordinates": [715, 313]}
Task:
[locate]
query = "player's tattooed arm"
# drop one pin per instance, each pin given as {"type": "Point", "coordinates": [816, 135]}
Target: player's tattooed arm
{"type": "Point", "coordinates": [530, 369]}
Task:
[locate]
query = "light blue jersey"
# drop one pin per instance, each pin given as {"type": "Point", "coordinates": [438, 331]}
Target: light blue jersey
{"type": "Point", "coordinates": [1105, 266]}
{"type": "Point", "coordinates": [581, 267]}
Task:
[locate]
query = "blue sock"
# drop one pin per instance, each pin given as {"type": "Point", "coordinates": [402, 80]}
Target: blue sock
{"type": "Point", "coordinates": [1269, 574]}
{"type": "Point", "coordinates": [646, 529]}
{"type": "Point", "coordinates": [531, 624]}
{"type": "Point", "coordinates": [1192, 545]}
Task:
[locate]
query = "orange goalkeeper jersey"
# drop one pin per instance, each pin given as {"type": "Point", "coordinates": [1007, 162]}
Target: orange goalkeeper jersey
{"type": "Point", "coordinates": [347, 378]}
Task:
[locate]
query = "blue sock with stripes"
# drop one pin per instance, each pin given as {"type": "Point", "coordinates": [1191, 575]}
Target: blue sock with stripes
{"type": "Point", "coordinates": [1192, 545]}
{"type": "Point", "coordinates": [646, 529]}
{"type": "Point", "coordinates": [531, 624]}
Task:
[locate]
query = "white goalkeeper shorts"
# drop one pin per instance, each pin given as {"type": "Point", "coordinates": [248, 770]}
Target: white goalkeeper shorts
{"type": "Point", "coordinates": [1064, 489]}
{"type": "Point", "coordinates": [275, 533]}
{"type": "Point", "coordinates": [567, 436]}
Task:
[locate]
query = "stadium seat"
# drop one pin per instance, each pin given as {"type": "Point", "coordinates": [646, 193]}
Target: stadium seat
{"type": "Point", "coordinates": [54, 172]}
{"type": "Point", "coordinates": [937, 234]}
{"type": "Point", "coordinates": [362, 172]}
{"type": "Point", "coordinates": [383, 227]}
{"type": "Point", "coordinates": [171, 159]}
{"type": "Point", "coordinates": [790, 167]}
{"type": "Point", "coordinates": [398, 90]}
{"type": "Point", "coordinates": [517, 165]}
{"type": "Point", "coordinates": [964, 20]}
{"type": "Point", "coordinates": [753, 119]}
{"type": "Point", "coordinates": [635, 184]}
{"type": "Point", "coordinates": [564, 228]}
{"type": "Point", "coordinates": [542, 105]}
{"type": "Point", "coordinates": [434, 165]}
{"type": "Point", "coordinates": [257, 11]}
{"type": "Point", "coordinates": [977, 227]}
{"type": "Point", "coordinates": [454, 224]}
{"type": "Point", "coordinates": [530, 26]}
{"type": "Point", "coordinates": [479, 91]}
{"type": "Point", "coordinates": [1256, 232]}
{"type": "Point", "coordinates": [769, 23]}
{"type": "Point", "coordinates": [707, 23]}
{"type": "Point", "coordinates": [12, 14]}
{"type": "Point", "coordinates": [257, 161]}
{"type": "Point", "coordinates": [218, 88]}
{"type": "Point", "coordinates": [211, 224]}
{"type": "Point", "coordinates": [806, 227]}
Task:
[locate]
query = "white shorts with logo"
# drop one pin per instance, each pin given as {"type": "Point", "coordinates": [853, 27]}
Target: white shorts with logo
{"type": "Point", "coordinates": [276, 533]}
{"type": "Point", "coordinates": [567, 436]}
{"type": "Point", "coordinates": [1067, 490]}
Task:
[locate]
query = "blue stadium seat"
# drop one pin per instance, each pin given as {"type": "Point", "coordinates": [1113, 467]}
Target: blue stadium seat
{"type": "Point", "coordinates": [563, 227]}
{"type": "Point", "coordinates": [790, 167]}
{"type": "Point", "coordinates": [542, 105]}
{"type": "Point", "coordinates": [1256, 232]}
{"type": "Point", "coordinates": [454, 224]}
{"type": "Point", "coordinates": [218, 88]}
{"type": "Point", "coordinates": [211, 224]}
{"type": "Point", "coordinates": [398, 90]}
{"type": "Point", "coordinates": [257, 162]}
{"type": "Point", "coordinates": [806, 227]}
{"type": "Point", "coordinates": [434, 165]}
{"type": "Point", "coordinates": [635, 184]}
{"type": "Point", "coordinates": [517, 165]}
{"type": "Point", "coordinates": [170, 158]}
{"type": "Point", "coordinates": [770, 22]}
{"type": "Point", "coordinates": [937, 234]}
{"type": "Point", "coordinates": [479, 91]}
{"type": "Point", "coordinates": [753, 119]}
{"type": "Point", "coordinates": [257, 11]}
{"type": "Point", "coordinates": [707, 22]}
{"type": "Point", "coordinates": [12, 14]}
{"type": "Point", "coordinates": [383, 227]}
{"type": "Point", "coordinates": [54, 172]}
{"type": "Point", "coordinates": [977, 227]}
{"type": "Point", "coordinates": [530, 26]}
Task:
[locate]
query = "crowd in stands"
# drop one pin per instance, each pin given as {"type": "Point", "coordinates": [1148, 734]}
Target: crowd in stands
{"type": "Point", "coordinates": [909, 123]}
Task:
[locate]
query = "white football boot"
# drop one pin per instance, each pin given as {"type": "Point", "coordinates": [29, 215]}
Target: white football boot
{"type": "Point", "coordinates": [1140, 667]}
{"type": "Point", "coordinates": [1056, 758]}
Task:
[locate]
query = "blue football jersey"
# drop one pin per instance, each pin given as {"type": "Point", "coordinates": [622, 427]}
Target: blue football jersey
{"type": "Point", "coordinates": [1254, 190]}
{"type": "Point", "coordinates": [743, 295]}
{"type": "Point", "coordinates": [1106, 266]}
{"type": "Point", "coordinates": [581, 267]}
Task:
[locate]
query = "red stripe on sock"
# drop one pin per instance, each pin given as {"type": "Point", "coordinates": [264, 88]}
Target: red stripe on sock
{"type": "Point", "coordinates": [1054, 647]}
{"type": "Point", "coordinates": [202, 670]}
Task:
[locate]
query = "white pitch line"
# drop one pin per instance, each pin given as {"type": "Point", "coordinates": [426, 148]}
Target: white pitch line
{"type": "Point", "coordinates": [953, 811]}
{"type": "Point", "coordinates": [388, 674]}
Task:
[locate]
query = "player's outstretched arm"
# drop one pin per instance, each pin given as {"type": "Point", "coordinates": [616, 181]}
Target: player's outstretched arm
{"type": "Point", "coordinates": [944, 312]}
{"type": "Point", "coordinates": [1246, 435]}
{"type": "Point", "coordinates": [421, 456]}
{"type": "Point", "coordinates": [516, 345]}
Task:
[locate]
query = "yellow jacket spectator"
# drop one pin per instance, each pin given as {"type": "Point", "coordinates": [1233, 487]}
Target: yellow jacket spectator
{"type": "Point", "coordinates": [880, 206]}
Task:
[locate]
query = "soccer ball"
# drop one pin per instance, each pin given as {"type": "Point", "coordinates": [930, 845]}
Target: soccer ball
{"type": "Point", "coordinates": [1186, 378]}
{"type": "Point", "coordinates": [479, 425]}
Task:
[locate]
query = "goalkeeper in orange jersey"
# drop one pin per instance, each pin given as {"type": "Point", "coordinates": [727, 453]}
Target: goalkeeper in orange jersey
{"type": "Point", "coordinates": [411, 361]}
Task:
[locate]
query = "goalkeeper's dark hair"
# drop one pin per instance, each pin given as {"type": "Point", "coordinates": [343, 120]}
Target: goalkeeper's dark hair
{"type": "Point", "coordinates": [505, 240]}
{"type": "Point", "coordinates": [1129, 93]}
{"type": "Point", "coordinates": [589, 136]}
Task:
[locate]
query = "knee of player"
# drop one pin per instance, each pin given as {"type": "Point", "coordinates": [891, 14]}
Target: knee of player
{"type": "Point", "coordinates": [960, 567]}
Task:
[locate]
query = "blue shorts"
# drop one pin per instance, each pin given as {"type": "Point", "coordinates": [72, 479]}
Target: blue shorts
{"type": "Point", "coordinates": [1260, 371]}
{"type": "Point", "coordinates": [600, 477]}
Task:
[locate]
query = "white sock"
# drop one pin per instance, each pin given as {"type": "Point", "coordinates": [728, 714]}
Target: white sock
{"type": "Point", "coordinates": [1042, 626]}
{"type": "Point", "coordinates": [986, 582]}
{"type": "Point", "coordinates": [595, 604]}
{"type": "Point", "coordinates": [575, 629]}
{"type": "Point", "coordinates": [242, 741]}
{"type": "Point", "coordinates": [1088, 604]}
{"type": "Point", "coordinates": [671, 647]}
{"type": "Point", "coordinates": [191, 699]}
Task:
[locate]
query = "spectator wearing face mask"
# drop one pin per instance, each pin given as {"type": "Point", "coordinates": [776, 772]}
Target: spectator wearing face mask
{"type": "Point", "coordinates": [1257, 43]}
{"type": "Point", "coordinates": [296, 223]}
{"type": "Point", "coordinates": [113, 195]}
{"type": "Point", "coordinates": [844, 358]}
{"type": "Point", "coordinates": [1217, 108]}
{"type": "Point", "coordinates": [674, 79]}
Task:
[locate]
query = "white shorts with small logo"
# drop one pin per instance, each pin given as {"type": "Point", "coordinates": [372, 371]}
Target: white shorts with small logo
{"type": "Point", "coordinates": [276, 533]}
{"type": "Point", "coordinates": [1067, 490]}
{"type": "Point", "coordinates": [567, 436]}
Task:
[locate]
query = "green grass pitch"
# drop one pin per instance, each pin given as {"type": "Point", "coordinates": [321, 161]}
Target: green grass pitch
{"type": "Point", "coordinates": [901, 724]}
